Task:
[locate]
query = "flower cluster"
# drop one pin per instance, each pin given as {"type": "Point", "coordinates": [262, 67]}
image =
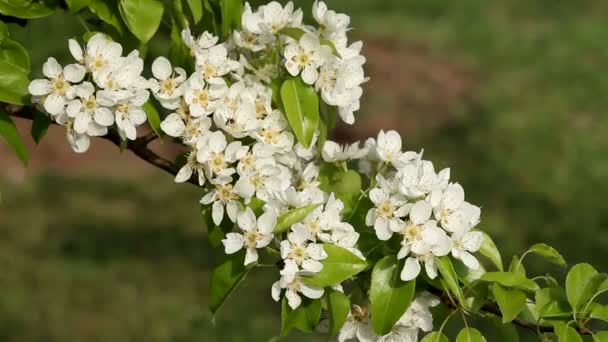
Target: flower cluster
{"type": "Point", "coordinates": [255, 174]}
{"type": "Point", "coordinates": [418, 317]}
{"type": "Point", "coordinates": [101, 89]}
{"type": "Point", "coordinates": [427, 213]}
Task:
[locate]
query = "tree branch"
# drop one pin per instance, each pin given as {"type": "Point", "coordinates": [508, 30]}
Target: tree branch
{"type": "Point", "coordinates": [493, 308]}
{"type": "Point", "coordinates": [139, 146]}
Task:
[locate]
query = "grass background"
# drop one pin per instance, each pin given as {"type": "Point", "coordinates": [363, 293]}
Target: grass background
{"type": "Point", "coordinates": [510, 94]}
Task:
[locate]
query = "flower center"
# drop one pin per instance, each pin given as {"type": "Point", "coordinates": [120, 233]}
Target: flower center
{"type": "Point", "coordinates": [257, 181]}
{"type": "Point", "coordinates": [167, 86]}
{"type": "Point", "coordinates": [314, 227]}
{"type": "Point", "coordinates": [208, 71]}
{"type": "Point", "coordinates": [386, 209]}
{"type": "Point", "coordinates": [90, 103]}
{"type": "Point", "coordinates": [260, 109]}
{"type": "Point", "coordinates": [225, 193]}
{"type": "Point", "coordinates": [251, 238]}
{"type": "Point", "coordinates": [218, 162]}
{"type": "Point", "coordinates": [412, 231]}
{"type": "Point", "coordinates": [298, 253]}
{"type": "Point", "coordinates": [98, 63]}
{"type": "Point", "coordinates": [60, 86]}
{"type": "Point", "coordinates": [202, 97]}
{"type": "Point", "coordinates": [270, 136]}
{"type": "Point", "coordinates": [303, 58]}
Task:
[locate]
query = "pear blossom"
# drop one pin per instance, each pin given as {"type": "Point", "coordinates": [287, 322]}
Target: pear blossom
{"type": "Point", "coordinates": [191, 167]}
{"type": "Point", "coordinates": [57, 89]}
{"type": "Point", "coordinates": [273, 131]}
{"type": "Point", "coordinates": [302, 251]}
{"type": "Point", "coordinates": [334, 152]}
{"type": "Point", "coordinates": [224, 199]}
{"type": "Point", "coordinates": [411, 230]}
{"type": "Point", "coordinates": [201, 97]}
{"type": "Point", "coordinates": [218, 155]}
{"type": "Point", "coordinates": [332, 25]}
{"type": "Point", "coordinates": [271, 18]}
{"type": "Point", "coordinates": [100, 53]}
{"type": "Point", "coordinates": [213, 63]}
{"type": "Point", "coordinates": [291, 281]}
{"type": "Point", "coordinates": [388, 149]}
{"type": "Point", "coordinates": [130, 114]}
{"type": "Point", "coordinates": [265, 181]}
{"type": "Point", "coordinates": [205, 41]}
{"type": "Point", "coordinates": [358, 326]}
{"type": "Point", "coordinates": [417, 317]}
{"type": "Point", "coordinates": [256, 234]}
{"type": "Point", "coordinates": [418, 179]}
{"type": "Point", "coordinates": [167, 87]}
{"type": "Point", "coordinates": [236, 112]}
{"type": "Point", "coordinates": [388, 211]}
{"type": "Point", "coordinates": [452, 211]}
{"type": "Point", "coordinates": [259, 154]}
{"type": "Point", "coordinates": [465, 243]}
{"type": "Point", "coordinates": [433, 243]}
{"type": "Point", "coordinates": [87, 110]}
{"type": "Point", "coordinates": [306, 56]}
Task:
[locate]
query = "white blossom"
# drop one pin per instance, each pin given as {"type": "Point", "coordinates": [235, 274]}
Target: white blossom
{"type": "Point", "coordinates": [57, 89]}
{"type": "Point", "coordinates": [291, 281]}
{"type": "Point", "coordinates": [256, 234]}
{"type": "Point", "coordinates": [305, 253]}
{"type": "Point", "coordinates": [306, 56]}
{"type": "Point", "coordinates": [224, 199]}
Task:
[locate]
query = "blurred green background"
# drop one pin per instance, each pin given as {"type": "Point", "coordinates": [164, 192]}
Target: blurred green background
{"type": "Point", "coordinates": [510, 94]}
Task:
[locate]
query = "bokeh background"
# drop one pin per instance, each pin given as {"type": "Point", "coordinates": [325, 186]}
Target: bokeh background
{"type": "Point", "coordinates": [511, 94]}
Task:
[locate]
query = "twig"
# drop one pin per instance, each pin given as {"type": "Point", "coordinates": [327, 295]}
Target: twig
{"type": "Point", "coordinates": [139, 146]}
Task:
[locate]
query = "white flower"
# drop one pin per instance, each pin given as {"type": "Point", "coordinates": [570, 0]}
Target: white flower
{"type": "Point", "coordinates": [260, 154]}
{"type": "Point", "coordinates": [123, 78]}
{"type": "Point", "coordinates": [201, 97]}
{"type": "Point", "coordinates": [419, 216]}
{"type": "Point", "coordinates": [388, 149]}
{"type": "Point", "coordinates": [291, 281]}
{"type": "Point", "coordinates": [274, 132]}
{"type": "Point", "coordinates": [465, 243]}
{"type": "Point", "coordinates": [302, 251]}
{"type": "Point", "coordinates": [433, 243]}
{"type": "Point", "coordinates": [213, 63]}
{"type": "Point", "coordinates": [204, 41]}
{"type": "Point", "coordinates": [218, 155]}
{"type": "Point", "coordinates": [266, 180]}
{"type": "Point", "coordinates": [257, 233]}
{"type": "Point", "coordinates": [271, 18]}
{"type": "Point", "coordinates": [419, 179]}
{"type": "Point", "coordinates": [306, 56]}
{"type": "Point", "coordinates": [417, 317]}
{"type": "Point", "coordinates": [358, 325]}
{"type": "Point", "coordinates": [333, 152]}
{"type": "Point", "coordinates": [101, 52]}
{"type": "Point", "coordinates": [224, 199]}
{"type": "Point", "coordinates": [190, 131]}
{"type": "Point", "coordinates": [452, 211]}
{"type": "Point", "coordinates": [236, 112]}
{"type": "Point", "coordinates": [57, 89]}
{"type": "Point", "coordinates": [387, 213]}
{"type": "Point", "coordinates": [130, 114]}
{"type": "Point", "coordinates": [192, 166]}
{"type": "Point", "coordinates": [167, 86]}
{"type": "Point", "coordinates": [86, 110]}
{"type": "Point", "coordinates": [332, 25]}
{"type": "Point", "coordinates": [251, 41]}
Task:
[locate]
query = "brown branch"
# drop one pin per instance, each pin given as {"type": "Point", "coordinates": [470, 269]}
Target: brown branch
{"type": "Point", "coordinates": [139, 146]}
{"type": "Point", "coordinates": [493, 308]}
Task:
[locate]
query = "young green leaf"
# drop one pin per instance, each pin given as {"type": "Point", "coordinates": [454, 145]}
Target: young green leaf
{"type": "Point", "coordinates": [489, 250]}
{"type": "Point", "coordinates": [40, 126]}
{"type": "Point", "coordinates": [26, 9]}
{"type": "Point", "coordinates": [504, 332]}
{"type": "Point", "coordinates": [552, 303]}
{"type": "Point", "coordinates": [153, 118]}
{"type": "Point", "coordinates": [14, 67]}
{"type": "Point", "coordinates": [142, 17]}
{"type": "Point", "coordinates": [10, 134]}
{"type": "Point", "coordinates": [446, 269]}
{"type": "Point", "coordinates": [338, 307]}
{"type": "Point", "coordinates": [331, 46]}
{"type": "Point", "coordinates": [516, 266]}
{"type": "Point", "coordinates": [3, 32]}
{"type": "Point", "coordinates": [598, 311]}
{"type": "Point", "coordinates": [225, 278]}
{"type": "Point", "coordinates": [548, 252]}
{"type": "Point", "coordinates": [510, 302]}
{"type": "Point", "coordinates": [566, 333]}
{"type": "Point", "coordinates": [601, 336]}
{"type": "Point", "coordinates": [510, 279]}
{"type": "Point", "coordinates": [77, 5]}
{"type": "Point", "coordinates": [293, 32]}
{"type": "Point", "coordinates": [108, 12]}
{"type": "Point", "coordinates": [196, 9]}
{"type": "Point", "coordinates": [435, 336]}
{"type": "Point", "coordinates": [582, 283]}
{"type": "Point", "coordinates": [389, 295]}
{"type": "Point", "coordinates": [339, 265]}
{"type": "Point", "coordinates": [232, 11]}
{"type": "Point", "coordinates": [286, 220]}
{"type": "Point", "coordinates": [470, 335]}
{"type": "Point", "coordinates": [305, 317]}
{"type": "Point", "coordinates": [301, 108]}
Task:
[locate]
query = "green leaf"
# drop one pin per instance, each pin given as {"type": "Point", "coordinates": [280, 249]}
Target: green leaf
{"type": "Point", "coordinates": [467, 275]}
{"type": "Point", "coordinates": [346, 185]}
{"type": "Point", "coordinates": [153, 118]}
{"type": "Point", "coordinates": [196, 9]}
{"type": "Point", "coordinates": [565, 333]}
{"type": "Point", "coordinates": [16, 55]}
{"type": "Point", "coordinates": [446, 269]}
{"type": "Point", "coordinates": [331, 45]}
{"type": "Point", "coordinates": [599, 311]}
{"type": "Point", "coordinates": [293, 216]}
{"type": "Point", "coordinates": [516, 266]}
{"type": "Point", "coordinates": [510, 279]}
{"type": "Point", "coordinates": [301, 108]}
{"type": "Point", "coordinates": [305, 317]}
{"type": "Point", "coordinates": [552, 303]}
{"type": "Point", "coordinates": [14, 67]}
{"type": "Point", "coordinates": [601, 336]}
{"type": "Point", "coordinates": [389, 295]}
{"type": "Point", "coordinates": [232, 11]}
{"type": "Point", "coordinates": [338, 307]}
{"type": "Point", "coordinates": [582, 283]}
{"type": "Point", "coordinates": [470, 335]}
{"type": "Point", "coordinates": [293, 32]}
{"type": "Point", "coordinates": [215, 236]}
{"type": "Point", "coordinates": [489, 250]}
{"type": "Point", "coordinates": [339, 265]}
{"type": "Point", "coordinates": [25, 9]}
{"type": "Point", "coordinates": [510, 302]}
{"type": "Point", "coordinates": [257, 205]}
{"type": "Point", "coordinates": [77, 5]}
{"type": "Point", "coordinates": [435, 336]}
{"type": "Point", "coordinates": [3, 32]}
{"type": "Point", "coordinates": [40, 126]}
{"type": "Point", "coordinates": [142, 17]}
{"type": "Point", "coordinates": [108, 12]}
{"type": "Point", "coordinates": [10, 134]}
{"type": "Point", "coordinates": [548, 252]}
{"type": "Point", "coordinates": [225, 278]}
